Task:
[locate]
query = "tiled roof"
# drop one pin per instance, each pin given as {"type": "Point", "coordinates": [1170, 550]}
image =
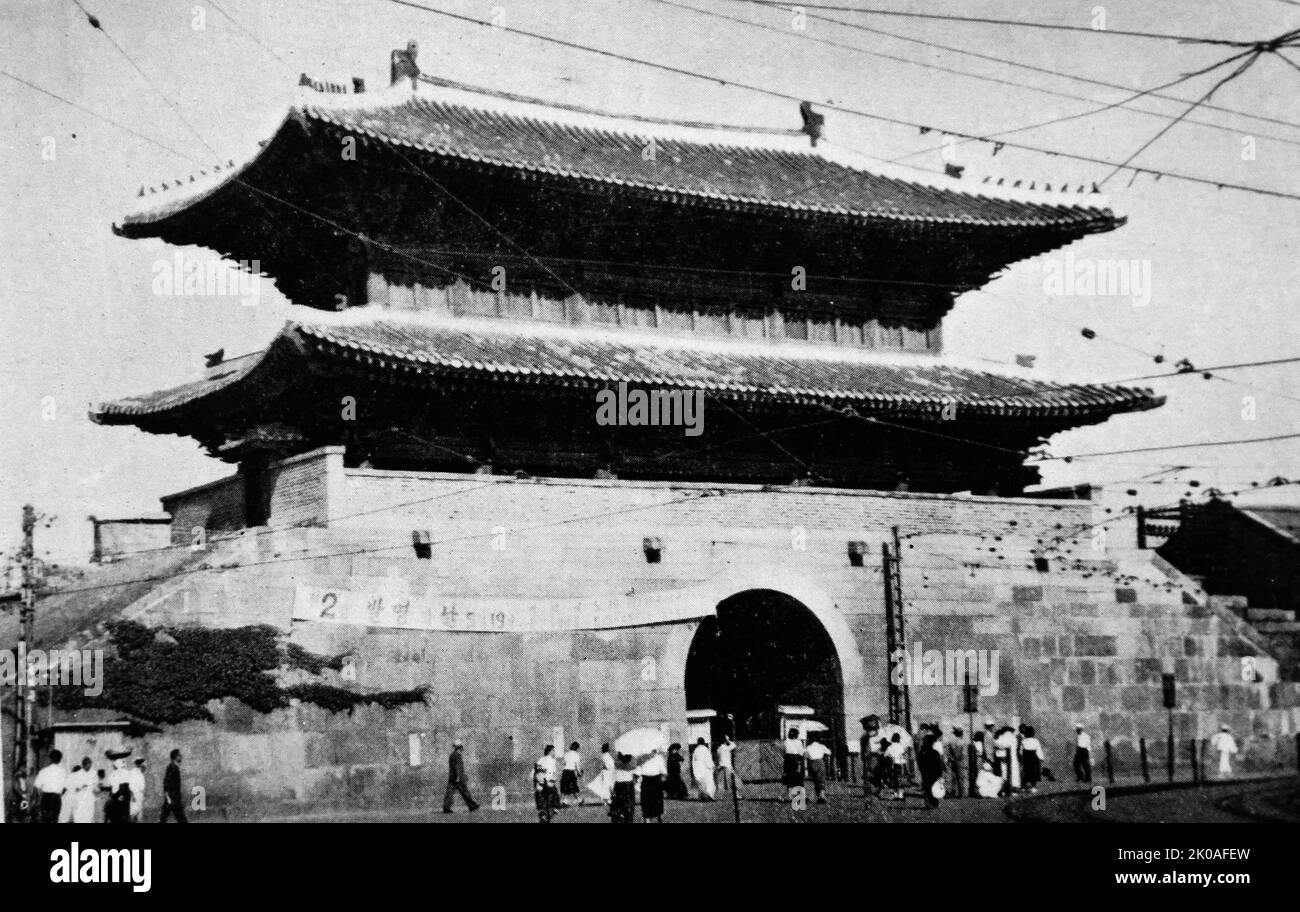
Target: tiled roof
{"type": "Point", "coordinates": [726, 168]}
{"type": "Point", "coordinates": [545, 355]}
{"type": "Point", "coordinates": [1285, 521]}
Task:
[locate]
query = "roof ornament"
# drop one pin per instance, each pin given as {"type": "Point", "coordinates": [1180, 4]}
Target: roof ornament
{"type": "Point", "coordinates": [813, 123]}
{"type": "Point", "coordinates": [403, 64]}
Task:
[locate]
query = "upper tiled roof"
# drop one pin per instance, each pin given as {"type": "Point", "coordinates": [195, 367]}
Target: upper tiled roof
{"type": "Point", "coordinates": [547, 355]}
{"type": "Point", "coordinates": [768, 170]}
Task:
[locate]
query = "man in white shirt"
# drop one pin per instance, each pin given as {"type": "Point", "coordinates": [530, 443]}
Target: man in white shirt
{"type": "Point", "coordinates": [816, 752]}
{"type": "Point", "coordinates": [52, 782]}
{"type": "Point", "coordinates": [1082, 754]}
{"type": "Point", "coordinates": [1226, 745]}
{"type": "Point", "coordinates": [792, 775]}
{"type": "Point", "coordinates": [896, 754]}
{"type": "Point", "coordinates": [726, 768]}
{"type": "Point", "coordinates": [546, 764]}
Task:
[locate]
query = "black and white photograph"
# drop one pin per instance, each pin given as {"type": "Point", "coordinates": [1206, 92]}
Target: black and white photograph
{"type": "Point", "coordinates": [459, 412]}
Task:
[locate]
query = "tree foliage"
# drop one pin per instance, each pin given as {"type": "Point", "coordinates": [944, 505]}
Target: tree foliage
{"type": "Point", "coordinates": [169, 675]}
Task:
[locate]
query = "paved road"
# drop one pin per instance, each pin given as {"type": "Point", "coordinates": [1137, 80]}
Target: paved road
{"type": "Point", "coordinates": [1235, 802]}
{"type": "Point", "coordinates": [1243, 801]}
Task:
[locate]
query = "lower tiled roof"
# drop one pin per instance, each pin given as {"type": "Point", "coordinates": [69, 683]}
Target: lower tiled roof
{"type": "Point", "coordinates": [517, 353]}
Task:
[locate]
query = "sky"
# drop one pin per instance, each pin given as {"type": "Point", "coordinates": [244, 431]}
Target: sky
{"type": "Point", "coordinates": [80, 323]}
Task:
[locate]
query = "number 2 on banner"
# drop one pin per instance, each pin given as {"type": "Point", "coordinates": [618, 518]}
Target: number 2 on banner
{"type": "Point", "coordinates": [329, 600]}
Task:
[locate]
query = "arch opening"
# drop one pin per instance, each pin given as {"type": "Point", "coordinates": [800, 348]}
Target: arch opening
{"type": "Point", "coordinates": [764, 649]}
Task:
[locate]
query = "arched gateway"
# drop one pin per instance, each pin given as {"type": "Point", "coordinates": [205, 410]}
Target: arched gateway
{"type": "Point", "coordinates": [766, 648]}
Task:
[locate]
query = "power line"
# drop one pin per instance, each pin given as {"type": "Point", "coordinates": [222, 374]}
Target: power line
{"type": "Point", "coordinates": [1093, 111]}
{"type": "Point", "coordinates": [1245, 65]}
{"type": "Point", "coordinates": [1216, 367]}
{"type": "Point", "coordinates": [773, 93]}
{"type": "Point", "coordinates": [1157, 357]}
{"type": "Point", "coordinates": [95, 24]}
{"type": "Point", "coordinates": [1048, 71]}
{"type": "Point", "coordinates": [98, 116]}
{"type": "Point", "coordinates": [1170, 446]}
{"type": "Point", "coordinates": [251, 35]}
{"type": "Point", "coordinates": [828, 42]}
{"type": "Point", "coordinates": [1018, 23]}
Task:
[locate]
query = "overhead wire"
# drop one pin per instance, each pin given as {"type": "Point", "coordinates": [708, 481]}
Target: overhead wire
{"type": "Point", "coordinates": [1047, 71]}
{"type": "Point", "coordinates": [859, 112]}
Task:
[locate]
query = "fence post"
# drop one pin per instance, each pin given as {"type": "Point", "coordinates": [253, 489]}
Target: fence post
{"type": "Point", "coordinates": [1297, 753]}
{"type": "Point", "coordinates": [1146, 769]}
{"type": "Point", "coordinates": [1196, 771]}
{"type": "Point", "coordinates": [1110, 766]}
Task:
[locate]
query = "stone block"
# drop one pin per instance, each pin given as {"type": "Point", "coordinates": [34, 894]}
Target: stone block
{"type": "Point", "coordinates": [1072, 699]}
{"type": "Point", "coordinates": [1087, 672]}
{"type": "Point", "coordinates": [1135, 698]}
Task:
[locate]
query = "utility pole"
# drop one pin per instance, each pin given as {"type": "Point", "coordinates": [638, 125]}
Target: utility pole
{"type": "Point", "coordinates": [900, 701]}
{"type": "Point", "coordinates": [26, 615]}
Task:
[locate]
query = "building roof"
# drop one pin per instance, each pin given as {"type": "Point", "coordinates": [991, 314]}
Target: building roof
{"type": "Point", "coordinates": [1283, 521]}
{"type": "Point", "coordinates": [585, 357]}
{"type": "Point", "coordinates": [770, 170]}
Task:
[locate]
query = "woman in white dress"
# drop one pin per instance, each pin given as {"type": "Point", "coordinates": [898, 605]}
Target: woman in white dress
{"type": "Point", "coordinates": [603, 785]}
{"type": "Point", "coordinates": [702, 770]}
{"type": "Point", "coordinates": [82, 787]}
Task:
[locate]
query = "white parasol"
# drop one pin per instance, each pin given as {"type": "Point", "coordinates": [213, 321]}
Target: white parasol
{"type": "Point", "coordinates": [887, 732]}
{"type": "Point", "coordinates": [640, 743]}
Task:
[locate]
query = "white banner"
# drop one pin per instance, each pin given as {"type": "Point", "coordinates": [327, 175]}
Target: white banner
{"type": "Point", "coordinates": [384, 602]}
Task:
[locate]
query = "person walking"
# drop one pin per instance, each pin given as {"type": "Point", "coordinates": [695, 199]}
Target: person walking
{"type": "Point", "coordinates": [1082, 754]}
{"type": "Point", "coordinates": [1004, 749]}
{"type": "Point", "coordinates": [896, 757]}
{"type": "Point", "coordinates": [22, 801]}
{"type": "Point", "coordinates": [137, 790]}
{"type": "Point", "coordinates": [550, 769]}
{"type": "Point", "coordinates": [702, 770]}
{"type": "Point", "coordinates": [870, 751]}
{"type": "Point", "coordinates": [1226, 745]}
{"type": "Point", "coordinates": [79, 806]}
{"type": "Point", "coordinates": [603, 784]}
{"type": "Point", "coordinates": [51, 782]}
{"type": "Point", "coordinates": [792, 774]}
{"type": "Point", "coordinates": [956, 753]}
{"type": "Point", "coordinates": [571, 775]}
{"type": "Point", "coordinates": [622, 805]}
{"type": "Point", "coordinates": [815, 755]}
{"type": "Point", "coordinates": [119, 790]}
{"type": "Point", "coordinates": [726, 765]}
{"type": "Point", "coordinates": [653, 773]}
{"type": "Point", "coordinates": [1032, 759]}
{"type": "Point", "coordinates": [456, 781]}
{"type": "Point", "coordinates": [676, 789]}
{"type": "Point", "coordinates": [990, 749]}
{"type": "Point", "coordinates": [173, 798]}
{"type": "Point", "coordinates": [929, 766]}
